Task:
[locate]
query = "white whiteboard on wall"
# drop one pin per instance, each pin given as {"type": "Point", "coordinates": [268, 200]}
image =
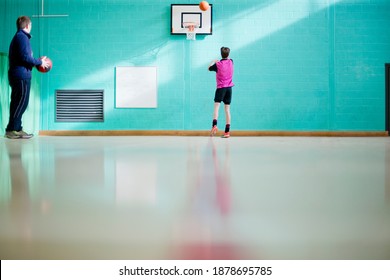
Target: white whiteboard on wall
{"type": "Point", "coordinates": [136, 87]}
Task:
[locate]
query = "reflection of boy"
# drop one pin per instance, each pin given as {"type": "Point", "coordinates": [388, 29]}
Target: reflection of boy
{"type": "Point", "coordinates": [224, 77]}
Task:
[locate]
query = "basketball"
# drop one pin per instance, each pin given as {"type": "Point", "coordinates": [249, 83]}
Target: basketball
{"type": "Point", "coordinates": [204, 5]}
{"type": "Point", "coordinates": [43, 69]}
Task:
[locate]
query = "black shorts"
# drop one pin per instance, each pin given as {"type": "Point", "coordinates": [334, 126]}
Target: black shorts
{"type": "Point", "coordinates": [223, 95]}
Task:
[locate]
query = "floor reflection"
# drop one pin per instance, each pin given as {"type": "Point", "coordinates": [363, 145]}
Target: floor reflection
{"type": "Point", "coordinates": [19, 201]}
{"type": "Point", "coordinates": [387, 172]}
{"type": "Point", "coordinates": [130, 190]}
{"type": "Point", "coordinates": [194, 198]}
{"type": "Point", "coordinates": [205, 231]}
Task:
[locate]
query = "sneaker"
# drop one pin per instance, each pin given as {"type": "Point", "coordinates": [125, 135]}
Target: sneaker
{"type": "Point", "coordinates": [18, 135]}
{"type": "Point", "coordinates": [214, 130]}
{"type": "Point", "coordinates": [25, 135]}
{"type": "Point", "coordinates": [12, 134]}
{"type": "Point", "coordinates": [226, 135]}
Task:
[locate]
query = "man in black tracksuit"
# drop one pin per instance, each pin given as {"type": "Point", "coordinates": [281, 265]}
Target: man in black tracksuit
{"type": "Point", "coordinates": [21, 62]}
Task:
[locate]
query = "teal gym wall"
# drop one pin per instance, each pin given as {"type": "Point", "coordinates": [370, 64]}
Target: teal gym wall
{"type": "Point", "coordinates": [300, 65]}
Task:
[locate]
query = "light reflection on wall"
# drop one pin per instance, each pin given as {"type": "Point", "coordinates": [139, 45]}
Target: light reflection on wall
{"type": "Point", "coordinates": [254, 24]}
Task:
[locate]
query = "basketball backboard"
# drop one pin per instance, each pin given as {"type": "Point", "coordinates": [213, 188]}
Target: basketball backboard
{"type": "Point", "coordinates": [184, 13]}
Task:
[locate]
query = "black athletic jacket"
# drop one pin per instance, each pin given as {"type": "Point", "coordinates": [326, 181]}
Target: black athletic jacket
{"type": "Point", "coordinates": [21, 60]}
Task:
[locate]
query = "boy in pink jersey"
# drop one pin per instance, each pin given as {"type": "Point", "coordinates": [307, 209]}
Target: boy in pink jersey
{"type": "Point", "coordinates": [224, 77]}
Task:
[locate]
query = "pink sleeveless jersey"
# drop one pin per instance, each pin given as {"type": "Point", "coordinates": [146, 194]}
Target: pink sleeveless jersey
{"type": "Point", "coordinates": [225, 73]}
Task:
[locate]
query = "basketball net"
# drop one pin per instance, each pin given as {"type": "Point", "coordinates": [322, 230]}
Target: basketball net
{"type": "Point", "coordinates": [191, 33]}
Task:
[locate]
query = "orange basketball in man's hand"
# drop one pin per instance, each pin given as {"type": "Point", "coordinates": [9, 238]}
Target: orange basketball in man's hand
{"type": "Point", "coordinates": [204, 5]}
{"type": "Point", "coordinates": [45, 69]}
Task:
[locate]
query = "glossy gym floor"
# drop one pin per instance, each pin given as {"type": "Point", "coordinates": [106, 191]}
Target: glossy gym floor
{"type": "Point", "coordinates": [156, 198]}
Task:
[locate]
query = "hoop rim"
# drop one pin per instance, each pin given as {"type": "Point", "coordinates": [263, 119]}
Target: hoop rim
{"type": "Point", "coordinates": [188, 24]}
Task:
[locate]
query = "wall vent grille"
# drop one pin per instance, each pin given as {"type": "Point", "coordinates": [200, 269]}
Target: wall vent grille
{"type": "Point", "coordinates": [79, 105]}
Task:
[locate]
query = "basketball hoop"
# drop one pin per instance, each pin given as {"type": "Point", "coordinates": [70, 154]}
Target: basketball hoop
{"type": "Point", "coordinates": [191, 30]}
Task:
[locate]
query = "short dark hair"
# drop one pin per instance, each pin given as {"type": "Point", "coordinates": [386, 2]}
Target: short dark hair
{"type": "Point", "coordinates": [225, 52]}
{"type": "Point", "coordinates": [22, 22]}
